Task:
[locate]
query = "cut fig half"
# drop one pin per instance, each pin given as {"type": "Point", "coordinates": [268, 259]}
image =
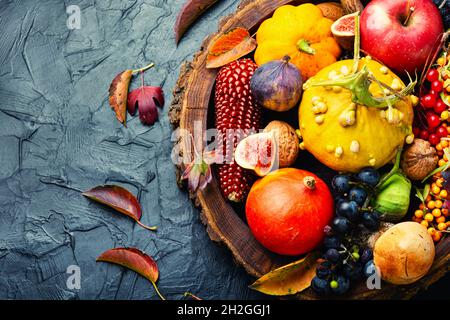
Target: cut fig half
{"type": "Point", "coordinates": [343, 30]}
{"type": "Point", "coordinates": [258, 152]}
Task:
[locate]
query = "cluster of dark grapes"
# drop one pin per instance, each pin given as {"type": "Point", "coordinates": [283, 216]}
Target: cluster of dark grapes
{"type": "Point", "coordinates": [343, 260]}
{"type": "Point", "coordinates": [444, 8]}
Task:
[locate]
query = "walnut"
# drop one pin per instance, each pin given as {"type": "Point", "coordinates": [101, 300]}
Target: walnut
{"type": "Point", "coordinates": [288, 142]}
{"type": "Point", "coordinates": [419, 159]}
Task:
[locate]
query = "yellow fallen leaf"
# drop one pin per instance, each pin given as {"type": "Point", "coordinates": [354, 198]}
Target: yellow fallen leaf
{"type": "Point", "coordinates": [289, 279]}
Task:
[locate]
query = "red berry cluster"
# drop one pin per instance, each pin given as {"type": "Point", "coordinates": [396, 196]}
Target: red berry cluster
{"type": "Point", "coordinates": [435, 108]}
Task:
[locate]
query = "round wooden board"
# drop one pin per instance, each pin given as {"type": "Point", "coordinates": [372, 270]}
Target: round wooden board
{"type": "Point", "coordinates": [191, 103]}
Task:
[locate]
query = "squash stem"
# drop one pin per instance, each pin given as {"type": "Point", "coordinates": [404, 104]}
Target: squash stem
{"type": "Point", "coordinates": [304, 45]}
{"type": "Point", "coordinates": [359, 83]}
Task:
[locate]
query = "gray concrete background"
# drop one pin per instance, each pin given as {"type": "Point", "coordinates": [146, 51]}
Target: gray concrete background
{"type": "Point", "coordinates": [57, 130]}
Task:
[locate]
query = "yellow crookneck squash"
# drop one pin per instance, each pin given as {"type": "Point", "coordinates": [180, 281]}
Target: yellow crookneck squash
{"type": "Point", "coordinates": [300, 32]}
{"type": "Point", "coordinates": [348, 122]}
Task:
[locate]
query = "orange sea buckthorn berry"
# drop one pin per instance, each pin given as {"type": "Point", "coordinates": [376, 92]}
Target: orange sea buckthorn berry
{"type": "Point", "coordinates": [431, 205]}
{"type": "Point", "coordinates": [439, 147]}
{"type": "Point", "coordinates": [444, 143]}
{"type": "Point", "coordinates": [440, 182]}
{"type": "Point", "coordinates": [441, 61]}
{"type": "Point", "coordinates": [436, 213]}
{"type": "Point", "coordinates": [445, 212]}
{"type": "Point", "coordinates": [424, 223]}
{"type": "Point", "coordinates": [431, 231]}
{"type": "Point", "coordinates": [443, 194]}
{"type": "Point", "coordinates": [438, 204]}
{"type": "Point", "coordinates": [441, 162]}
{"type": "Point", "coordinates": [437, 236]}
{"type": "Point", "coordinates": [429, 217]}
{"type": "Point", "coordinates": [421, 206]}
{"type": "Point", "coordinates": [442, 226]}
{"type": "Point", "coordinates": [435, 189]}
{"type": "Point", "coordinates": [418, 213]}
{"type": "Point", "coordinates": [440, 219]}
{"type": "Point", "coordinates": [428, 198]}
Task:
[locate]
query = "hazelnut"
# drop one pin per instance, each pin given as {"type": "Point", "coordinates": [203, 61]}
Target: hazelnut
{"type": "Point", "coordinates": [419, 159]}
{"type": "Point", "coordinates": [288, 142]}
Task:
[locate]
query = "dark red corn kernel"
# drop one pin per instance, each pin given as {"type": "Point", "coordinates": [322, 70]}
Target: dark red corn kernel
{"type": "Point", "coordinates": [235, 109]}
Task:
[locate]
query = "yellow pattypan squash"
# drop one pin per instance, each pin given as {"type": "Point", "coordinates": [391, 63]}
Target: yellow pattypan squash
{"type": "Point", "coordinates": [300, 32]}
{"type": "Point", "coordinates": [348, 122]}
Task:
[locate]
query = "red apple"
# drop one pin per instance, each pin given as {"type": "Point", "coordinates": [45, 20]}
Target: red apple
{"type": "Point", "coordinates": [400, 33]}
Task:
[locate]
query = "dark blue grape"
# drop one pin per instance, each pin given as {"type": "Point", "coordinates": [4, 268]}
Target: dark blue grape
{"type": "Point", "coordinates": [369, 176]}
{"type": "Point", "coordinates": [341, 183]}
{"type": "Point", "coordinates": [343, 285]}
{"type": "Point", "coordinates": [339, 200]}
{"type": "Point", "coordinates": [369, 268]}
{"type": "Point", "coordinates": [332, 242]}
{"type": "Point", "coordinates": [341, 225]}
{"type": "Point", "coordinates": [320, 286]}
{"type": "Point", "coordinates": [323, 271]}
{"type": "Point", "coordinates": [358, 194]}
{"type": "Point", "coordinates": [366, 255]}
{"type": "Point", "coordinates": [353, 271]}
{"type": "Point", "coordinates": [332, 255]}
{"type": "Point", "coordinates": [371, 220]}
{"type": "Point", "coordinates": [349, 210]}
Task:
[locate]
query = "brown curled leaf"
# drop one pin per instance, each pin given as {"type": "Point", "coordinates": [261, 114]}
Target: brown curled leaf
{"type": "Point", "coordinates": [190, 11]}
{"type": "Point", "coordinates": [289, 279]}
{"type": "Point", "coordinates": [119, 199]}
{"type": "Point", "coordinates": [118, 93]}
{"type": "Point", "coordinates": [136, 260]}
{"type": "Point", "coordinates": [229, 47]}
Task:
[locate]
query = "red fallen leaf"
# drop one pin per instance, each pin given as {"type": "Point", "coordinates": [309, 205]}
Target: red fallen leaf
{"type": "Point", "coordinates": [146, 99]}
{"type": "Point", "coordinates": [136, 260]}
{"type": "Point", "coordinates": [119, 199]}
{"type": "Point", "coordinates": [118, 91]}
{"type": "Point", "coordinates": [190, 11]}
{"type": "Point", "coordinates": [230, 46]}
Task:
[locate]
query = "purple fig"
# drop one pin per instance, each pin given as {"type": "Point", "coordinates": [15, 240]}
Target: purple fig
{"type": "Point", "coordinates": [277, 85]}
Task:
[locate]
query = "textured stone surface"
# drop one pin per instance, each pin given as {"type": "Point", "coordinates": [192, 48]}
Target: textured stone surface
{"type": "Point", "coordinates": [58, 135]}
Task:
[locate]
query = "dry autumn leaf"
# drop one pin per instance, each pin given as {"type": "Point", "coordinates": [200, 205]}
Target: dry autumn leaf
{"type": "Point", "coordinates": [289, 279]}
{"type": "Point", "coordinates": [136, 260]}
{"type": "Point", "coordinates": [118, 92]}
{"type": "Point", "coordinates": [119, 199]}
{"type": "Point", "coordinates": [146, 99]}
{"type": "Point", "coordinates": [190, 11]}
{"type": "Point", "coordinates": [229, 47]}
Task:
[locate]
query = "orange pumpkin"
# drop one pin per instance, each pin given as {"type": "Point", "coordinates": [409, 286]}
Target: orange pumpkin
{"type": "Point", "coordinates": [300, 32]}
{"type": "Point", "coordinates": [288, 209]}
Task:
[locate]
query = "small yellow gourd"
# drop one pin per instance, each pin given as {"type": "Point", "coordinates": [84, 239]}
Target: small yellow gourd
{"type": "Point", "coordinates": [302, 33]}
{"type": "Point", "coordinates": [349, 121]}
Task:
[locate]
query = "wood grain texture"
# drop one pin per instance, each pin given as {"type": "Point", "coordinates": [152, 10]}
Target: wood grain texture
{"type": "Point", "coordinates": [225, 225]}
